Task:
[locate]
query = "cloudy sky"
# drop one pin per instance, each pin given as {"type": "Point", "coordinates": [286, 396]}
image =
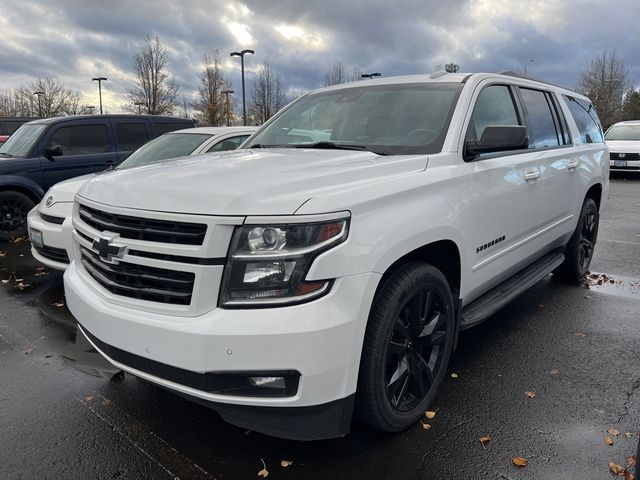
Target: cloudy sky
{"type": "Point", "coordinates": [78, 39]}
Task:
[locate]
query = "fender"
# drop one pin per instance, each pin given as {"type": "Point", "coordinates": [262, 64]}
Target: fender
{"type": "Point", "coordinates": [16, 182]}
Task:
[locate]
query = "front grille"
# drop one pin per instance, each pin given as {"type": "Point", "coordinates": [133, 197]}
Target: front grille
{"type": "Point", "coordinates": [624, 156]}
{"type": "Point", "coordinates": [52, 219]}
{"type": "Point", "coordinates": [139, 281]}
{"type": "Point", "coordinates": [55, 254]}
{"type": "Point", "coordinates": [144, 228]}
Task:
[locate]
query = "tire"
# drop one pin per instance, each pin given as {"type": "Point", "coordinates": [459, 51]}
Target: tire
{"type": "Point", "coordinates": [405, 353]}
{"type": "Point", "coordinates": [14, 207]}
{"type": "Point", "coordinates": [579, 251]}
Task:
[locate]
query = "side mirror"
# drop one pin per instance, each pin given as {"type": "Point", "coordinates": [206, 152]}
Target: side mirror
{"type": "Point", "coordinates": [498, 138]}
{"type": "Point", "coordinates": [54, 151]}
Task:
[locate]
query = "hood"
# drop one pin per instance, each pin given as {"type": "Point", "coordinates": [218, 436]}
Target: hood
{"type": "Point", "coordinates": [66, 191]}
{"type": "Point", "coordinates": [245, 182]}
{"type": "Point", "coordinates": [626, 146]}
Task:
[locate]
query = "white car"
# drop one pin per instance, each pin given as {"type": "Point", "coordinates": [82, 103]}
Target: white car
{"type": "Point", "coordinates": [623, 139]}
{"type": "Point", "coordinates": [49, 222]}
{"type": "Point", "coordinates": [325, 268]}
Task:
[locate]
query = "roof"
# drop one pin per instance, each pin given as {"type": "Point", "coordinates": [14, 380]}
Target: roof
{"type": "Point", "coordinates": [163, 119]}
{"type": "Point", "coordinates": [215, 130]}
{"type": "Point", "coordinates": [627, 122]}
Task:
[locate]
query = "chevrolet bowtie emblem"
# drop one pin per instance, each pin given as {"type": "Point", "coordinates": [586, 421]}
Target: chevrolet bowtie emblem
{"type": "Point", "coordinates": [108, 250]}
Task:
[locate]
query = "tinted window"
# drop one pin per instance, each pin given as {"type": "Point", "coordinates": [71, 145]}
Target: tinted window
{"type": "Point", "coordinates": [163, 128]}
{"type": "Point", "coordinates": [81, 139]}
{"type": "Point", "coordinates": [167, 146]}
{"type": "Point", "coordinates": [586, 119]}
{"type": "Point", "coordinates": [131, 135]}
{"type": "Point", "coordinates": [228, 144]}
{"type": "Point", "coordinates": [494, 107]}
{"type": "Point", "coordinates": [540, 120]}
{"type": "Point", "coordinates": [623, 132]}
{"type": "Point", "coordinates": [23, 141]}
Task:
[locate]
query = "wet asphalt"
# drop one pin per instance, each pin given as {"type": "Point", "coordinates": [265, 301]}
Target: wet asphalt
{"type": "Point", "coordinates": [66, 413]}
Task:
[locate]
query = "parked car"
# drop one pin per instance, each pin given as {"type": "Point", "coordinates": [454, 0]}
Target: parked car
{"type": "Point", "coordinates": [8, 125]}
{"type": "Point", "coordinates": [47, 151]}
{"type": "Point", "coordinates": [327, 266]}
{"type": "Point", "coordinates": [50, 226]}
{"type": "Point", "coordinates": [623, 139]}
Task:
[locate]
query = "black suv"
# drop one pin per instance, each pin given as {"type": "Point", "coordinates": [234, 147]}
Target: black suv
{"type": "Point", "coordinates": [46, 151]}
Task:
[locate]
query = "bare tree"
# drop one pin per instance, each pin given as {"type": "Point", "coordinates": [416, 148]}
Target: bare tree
{"type": "Point", "coordinates": [211, 104]}
{"type": "Point", "coordinates": [605, 80]}
{"type": "Point", "coordinates": [53, 99]}
{"type": "Point", "coordinates": [336, 75]}
{"type": "Point", "coordinates": [357, 74]}
{"type": "Point", "coordinates": [153, 88]}
{"type": "Point", "coordinates": [268, 94]}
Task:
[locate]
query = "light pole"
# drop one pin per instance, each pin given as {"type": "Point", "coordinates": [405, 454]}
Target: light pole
{"type": "Point", "coordinates": [226, 104]}
{"type": "Point", "coordinates": [90, 108]}
{"type": "Point", "coordinates": [139, 105]}
{"type": "Point", "coordinates": [371, 75]}
{"type": "Point", "coordinates": [39, 94]}
{"type": "Point", "coordinates": [244, 104]}
{"type": "Point", "coordinates": [100, 80]}
{"type": "Point", "coordinates": [526, 65]}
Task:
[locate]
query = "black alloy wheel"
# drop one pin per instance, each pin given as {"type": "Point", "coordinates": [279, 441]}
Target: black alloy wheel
{"type": "Point", "coordinates": [14, 207]}
{"type": "Point", "coordinates": [579, 250]}
{"type": "Point", "coordinates": [407, 346]}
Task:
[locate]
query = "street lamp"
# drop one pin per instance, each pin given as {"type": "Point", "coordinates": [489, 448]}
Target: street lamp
{"type": "Point", "coordinates": [99, 80]}
{"type": "Point", "coordinates": [525, 66]}
{"type": "Point", "coordinates": [90, 108]}
{"type": "Point", "coordinates": [139, 105]}
{"type": "Point", "coordinates": [244, 104]}
{"type": "Point", "coordinates": [39, 94]}
{"type": "Point", "coordinates": [226, 104]}
{"type": "Point", "coordinates": [371, 75]}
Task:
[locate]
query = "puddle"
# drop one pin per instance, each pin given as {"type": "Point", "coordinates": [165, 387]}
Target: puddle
{"type": "Point", "coordinates": [19, 271]}
{"type": "Point", "coordinates": [614, 285]}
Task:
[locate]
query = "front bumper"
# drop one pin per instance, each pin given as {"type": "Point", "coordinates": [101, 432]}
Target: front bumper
{"type": "Point", "coordinates": [627, 166]}
{"type": "Point", "coordinates": [57, 238]}
{"type": "Point", "coordinates": [322, 340]}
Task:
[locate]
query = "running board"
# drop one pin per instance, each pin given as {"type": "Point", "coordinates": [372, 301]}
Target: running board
{"type": "Point", "coordinates": [492, 301]}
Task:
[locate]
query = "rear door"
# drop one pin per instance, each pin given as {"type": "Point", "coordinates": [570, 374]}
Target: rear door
{"type": "Point", "coordinates": [130, 134]}
{"type": "Point", "coordinates": [87, 146]}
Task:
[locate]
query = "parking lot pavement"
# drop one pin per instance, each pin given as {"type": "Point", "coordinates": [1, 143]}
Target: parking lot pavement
{"type": "Point", "coordinates": [65, 413]}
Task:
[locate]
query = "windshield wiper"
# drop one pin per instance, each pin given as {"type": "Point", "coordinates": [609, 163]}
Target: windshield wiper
{"type": "Point", "coordinates": [6, 154]}
{"type": "Point", "coordinates": [339, 146]}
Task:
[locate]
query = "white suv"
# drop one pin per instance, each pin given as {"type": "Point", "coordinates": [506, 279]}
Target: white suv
{"type": "Point", "coordinates": [328, 265]}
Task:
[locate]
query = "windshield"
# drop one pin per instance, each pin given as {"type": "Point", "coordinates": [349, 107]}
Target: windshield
{"type": "Point", "coordinates": [169, 145]}
{"type": "Point", "coordinates": [385, 119]}
{"type": "Point", "coordinates": [623, 132]}
{"type": "Point", "coordinates": [22, 141]}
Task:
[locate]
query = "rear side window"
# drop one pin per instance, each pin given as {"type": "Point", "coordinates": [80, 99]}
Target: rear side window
{"type": "Point", "coordinates": [81, 139]}
{"type": "Point", "coordinates": [494, 107]}
{"type": "Point", "coordinates": [163, 128]}
{"type": "Point", "coordinates": [131, 135]}
{"type": "Point", "coordinates": [586, 119]}
{"type": "Point", "coordinates": [540, 120]}
{"type": "Point", "coordinates": [228, 144]}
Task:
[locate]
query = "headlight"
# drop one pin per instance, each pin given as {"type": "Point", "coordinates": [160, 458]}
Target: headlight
{"type": "Point", "coordinates": [267, 264]}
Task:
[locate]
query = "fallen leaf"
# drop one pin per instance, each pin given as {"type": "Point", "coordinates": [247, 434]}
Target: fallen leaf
{"type": "Point", "coordinates": [58, 304]}
{"type": "Point", "coordinates": [608, 441]}
{"type": "Point", "coordinates": [485, 439]}
{"type": "Point", "coordinates": [530, 394]}
{"type": "Point", "coordinates": [286, 463]}
{"type": "Point", "coordinates": [21, 255]}
{"type": "Point", "coordinates": [19, 279]}
{"type": "Point", "coordinates": [429, 414]}
{"type": "Point", "coordinates": [5, 281]}
{"type": "Point", "coordinates": [27, 351]}
{"type": "Point", "coordinates": [554, 371]}
{"type": "Point", "coordinates": [613, 431]}
{"type": "Point", "coordinates": [616, 469]}
{"type": "Point", "coordinates": [454, 375]}
{"type": "Point", "coordinates": [519, 462]}
{"type": "Point", "coordinates": [425, 426]}
{"type": "Point", "coordinates": [629, 434]}
{"type": "Point", "coordinates": [631, 460]}
{"type": "Point", "coordinates": [106, 402]}
{"type": "Point", "coordinates": [3, 253]}
{"type": "Point", "coordinates": [22, 286]}
{"type": "Point", "coordinates": [580, 334]}
{"type": "Point", "coordinates": [39, 269]}
{"type": "Point", "coordinates": [587, 296]}
{"type": "Point", "coordinates": [89, 398]}
{"type": "Point", "coordinates": [264, 472]}
{"type": "Point", "coordinates": [628, 475]}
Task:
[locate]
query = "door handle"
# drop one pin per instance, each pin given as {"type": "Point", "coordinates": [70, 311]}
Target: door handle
{"type": "Point", "coordinates": [571, 164]}
{"type": "Point", "coordinates": [532, 175]}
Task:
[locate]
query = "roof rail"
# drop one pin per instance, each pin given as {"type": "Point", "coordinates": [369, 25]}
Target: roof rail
{"type": "Point", "coordinates": [511, 73]}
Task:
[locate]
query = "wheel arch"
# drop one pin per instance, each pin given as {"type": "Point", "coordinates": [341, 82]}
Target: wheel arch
{"type": "Point", "coordinates": [22, 185]}
{"type": "Point", "coordinates": [595, 193]}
